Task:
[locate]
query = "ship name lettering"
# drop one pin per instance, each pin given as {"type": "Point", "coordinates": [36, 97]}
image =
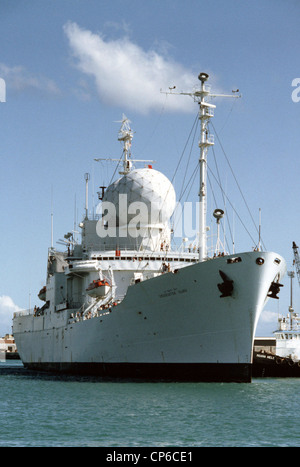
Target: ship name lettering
{"type": "Point", "coordinates": [168, 293]}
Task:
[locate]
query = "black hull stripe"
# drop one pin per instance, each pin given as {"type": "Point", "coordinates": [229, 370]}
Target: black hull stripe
{"type": "Point", "coordinates": [188, 372]}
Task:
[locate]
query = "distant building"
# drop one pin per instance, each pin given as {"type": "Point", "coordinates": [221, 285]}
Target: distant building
{"type": "Point", "coordinates": [7, 344]}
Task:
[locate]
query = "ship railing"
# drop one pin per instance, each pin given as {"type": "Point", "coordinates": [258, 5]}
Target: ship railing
{"type": "Point", "coordinates": [189, 254]}
{"type": "Point", "coordinates": [186, 253]}
{"type": "Point", "coordinates": [30, 311]}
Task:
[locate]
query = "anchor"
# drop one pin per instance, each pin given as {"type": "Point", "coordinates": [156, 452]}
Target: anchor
{"type": "Point", "coordinates": [226, 288]}
{"type": "Point", "coordinates": [274, 290]}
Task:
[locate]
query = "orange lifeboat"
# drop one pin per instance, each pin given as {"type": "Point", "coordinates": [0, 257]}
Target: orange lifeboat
{"type": "Point", "coordinates": [98, 288]}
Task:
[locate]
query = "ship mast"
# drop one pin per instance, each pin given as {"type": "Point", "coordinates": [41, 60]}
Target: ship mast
{"type": "Point", "coordinates": [206, 112]}
{"type": "Point", "coordinates": [206, 140]}
{"type": "Point", "coordinates": [291, 274]}
{"type": "Point", "coordinates": [125, 136]}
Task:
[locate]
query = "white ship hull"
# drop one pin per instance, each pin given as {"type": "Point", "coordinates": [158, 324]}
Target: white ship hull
{"type": "Point", "coordinates": [170, 314]}
{"type": "Point", "coordinates": [175, 326]}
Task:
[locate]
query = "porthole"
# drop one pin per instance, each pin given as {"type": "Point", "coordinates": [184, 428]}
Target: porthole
{"type": "Point", "coordinates": [260, 261]}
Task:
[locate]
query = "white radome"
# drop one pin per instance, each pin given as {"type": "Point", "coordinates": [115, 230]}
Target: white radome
{"type": "Point", "coordinates": [147, 186]}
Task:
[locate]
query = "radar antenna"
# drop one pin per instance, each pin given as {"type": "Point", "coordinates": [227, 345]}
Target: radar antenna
{"type": "Point", "coordinates": [125, 135]}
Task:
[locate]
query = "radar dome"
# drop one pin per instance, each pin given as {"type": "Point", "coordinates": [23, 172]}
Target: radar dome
{"type": "Point", "coordinates": [147, 186]}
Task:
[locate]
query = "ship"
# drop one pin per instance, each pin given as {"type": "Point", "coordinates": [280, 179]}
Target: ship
{"type": "Point", "coordinates": [288, 332]}
{"type": "Point", "coordinates": [8, 350]}
{"type": "Point", "coordinates": [122, 303]}
{"type": "Point", "coordinates": [283, 359]}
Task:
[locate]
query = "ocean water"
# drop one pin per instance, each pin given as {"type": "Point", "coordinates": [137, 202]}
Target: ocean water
{"type": "Point", "coordinates": [45, 410]}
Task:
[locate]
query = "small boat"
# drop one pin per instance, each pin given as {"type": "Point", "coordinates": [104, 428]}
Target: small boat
{"type": "Point", "coordinates": [98, 288]}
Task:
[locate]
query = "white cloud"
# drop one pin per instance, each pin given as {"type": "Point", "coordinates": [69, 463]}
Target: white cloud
{"type": "Point", "coordinates": [7, 309]}
{"type": "Point", "coordinates": [267, 323]}
{"type": "Point", "coordinates": [125, 75]}
{"type": "Point", "coordinates": [269, 316]}
{"type": "Point", "coordinates": [19, 79]}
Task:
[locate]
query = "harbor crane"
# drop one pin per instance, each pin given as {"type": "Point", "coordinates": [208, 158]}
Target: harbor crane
{"type": "Point", "coordinates": [296, 260]}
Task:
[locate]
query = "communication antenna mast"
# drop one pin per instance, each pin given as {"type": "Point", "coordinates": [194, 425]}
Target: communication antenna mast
{"type": "Point", "coordinates": [125, 136]}
{"type": "Point", "coordinates": [52, 217]}
{"type": "Point", "coordinates": [259, 230]}
{"type": "Point", "coordinates": [86, 177]}
{"type": "Point", "coordinates": [206, 112]}
{"type": "Point", "coordinates": [296, 260]}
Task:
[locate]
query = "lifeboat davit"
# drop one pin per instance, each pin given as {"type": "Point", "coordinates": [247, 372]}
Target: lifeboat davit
{"type": "Point", "coordinates": [42, 294]}
{"type": "Point", "coordinates": [98, 288]}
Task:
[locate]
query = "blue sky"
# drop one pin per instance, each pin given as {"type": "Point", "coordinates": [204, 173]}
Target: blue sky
{"type": "Point", "coordinates": [73, 67]}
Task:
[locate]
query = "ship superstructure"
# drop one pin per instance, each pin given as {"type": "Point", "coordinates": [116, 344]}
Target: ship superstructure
{"type": "Point", "coordinates": [288, 333]}
{"type": "Point", "coordinates": [123, 303]}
